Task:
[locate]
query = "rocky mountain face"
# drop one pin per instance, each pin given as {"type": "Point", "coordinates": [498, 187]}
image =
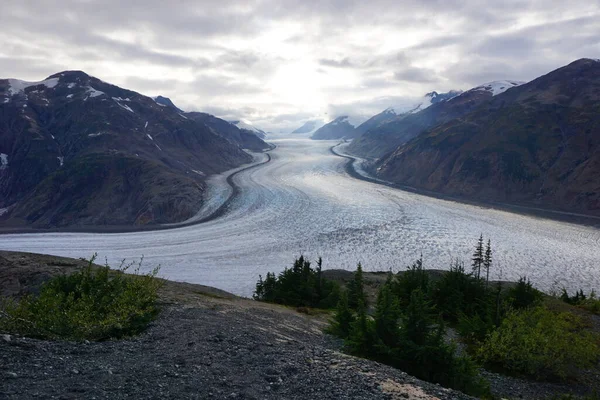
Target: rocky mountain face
{"type": "Point", "coordinates": [535, 144]}
{"type": "Point", "coordinates": [393, 130]}
{"type": "Point", "coordinates": [245, 138]}
{"type": "Point", "coordinates": [337, 129]}
{"type": "Point", "coordinates": [78, 151]}
{"type": "Point", "coordinates": [165, 101]}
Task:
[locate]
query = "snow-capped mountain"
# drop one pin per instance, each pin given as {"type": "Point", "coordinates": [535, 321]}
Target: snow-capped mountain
{"type": "Point", "coordinates": [166, 102]}
{"type": "Point", "coordinates": [536, 143]}
{"type": "Point", "coordinates": [309, 126]}
{"type": "Point", "coordinates": [497, 87]}
{"type": "Point", "coordinates": [406, 108]}
{"type": "Point", "coordinates": [73, 150]}
{"type": "Point", "coordinates": [337, 129]}
{"type": "Point", "coordinates": [249, 127]}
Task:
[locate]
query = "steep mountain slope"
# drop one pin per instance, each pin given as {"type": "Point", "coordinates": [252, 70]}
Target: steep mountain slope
{"type": "Point", "coordinates": [392, 113]}
{"type": "Point", "coordinates": [538, 143]}
{"type": "Point", "coordinates": [79, 151]}
{"type": "Point", "coordinates": [243, 137]}
{"type": "Point", "coordinates": [250, 128]}
{"type": "Point", "coordinates": [399, 129]}
{"type": "Point", "coordinates": [309, 126]}
{"type": "Point", "coordinates": [165, 101]}
{"type": "Point", "coordinates": [336, 129]}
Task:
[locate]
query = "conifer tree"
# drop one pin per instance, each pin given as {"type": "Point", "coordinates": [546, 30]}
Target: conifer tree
{"type": "Point", "coordinates": [487, 261]}
{"type": "Point", "coordinates": [343, 318]}
{"type": "Point", "coordinates": [478, 258]}
{"type": "Point", "coordinates": [362, 336]}
{"type": "Point", "coordinates": [356, 290]}
{"type": "Point", "coordinates": [387, 315]}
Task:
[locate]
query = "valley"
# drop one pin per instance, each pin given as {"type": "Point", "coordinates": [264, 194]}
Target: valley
{"type": "Point", "coordinates": [304, 202]}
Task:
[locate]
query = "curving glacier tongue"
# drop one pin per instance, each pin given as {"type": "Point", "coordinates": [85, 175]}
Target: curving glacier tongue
{"type": "Point", "coordinates": [302, 202]}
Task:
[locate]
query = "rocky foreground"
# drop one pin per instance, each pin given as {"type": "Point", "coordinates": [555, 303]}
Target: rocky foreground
{"type": "Point", "coordinates": [205, 344]}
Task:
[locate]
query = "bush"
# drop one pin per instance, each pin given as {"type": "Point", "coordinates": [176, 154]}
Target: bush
{"type": "Point", "coordinates": [94, 304]}
{"type": "Point", "coordinates": [539, 343]}
{"type": "Point", "coordinates": [299, 286]}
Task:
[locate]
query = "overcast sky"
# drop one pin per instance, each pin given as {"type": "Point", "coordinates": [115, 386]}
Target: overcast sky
{"type": "Point", "coordinates": [277, 63]}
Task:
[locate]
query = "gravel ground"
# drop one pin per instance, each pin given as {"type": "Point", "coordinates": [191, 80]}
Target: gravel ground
{"type": "Point", "coordinates": [206, 344]}
{"type": "Point", "coordinates": [212, 351]}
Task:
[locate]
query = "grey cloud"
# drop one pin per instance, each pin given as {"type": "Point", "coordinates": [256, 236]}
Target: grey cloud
{"type": "Point", "coordinates": [343, 63]}
{"type": "Point", "coordinates": [211, 56]}
{"type": "Point", "coordinates": [413, 74]}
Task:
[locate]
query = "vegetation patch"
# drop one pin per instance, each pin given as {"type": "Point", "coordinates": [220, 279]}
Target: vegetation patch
{"type": "Point", "coordinates": [91, 304]}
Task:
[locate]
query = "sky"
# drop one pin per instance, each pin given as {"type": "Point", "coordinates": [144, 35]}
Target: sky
{"type": "Point", "coordinates": [278, 63]}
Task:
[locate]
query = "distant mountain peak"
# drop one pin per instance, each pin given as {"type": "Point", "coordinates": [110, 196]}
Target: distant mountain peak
{"type": "Point", "coordinates": [309, 126]}
{"type": "Point", "coordinates": [165, 102]}
{"type": "Point", "coordinates": [497, 87]}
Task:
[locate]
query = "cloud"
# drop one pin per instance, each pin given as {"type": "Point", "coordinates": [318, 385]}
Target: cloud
{"type": "Point", "coordinates": [279, 64]}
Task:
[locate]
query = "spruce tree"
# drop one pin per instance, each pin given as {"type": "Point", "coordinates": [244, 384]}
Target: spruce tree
{"type": "Point", "coordinates": [387, 315]}
{"type": "Point", "coordinates": [362, 336]}
{"type": "Point", "coordinates": [487, 261]}
{"type": "Point", "coordinates": [343, 318]}
{"type": "Point", "coordinates": [356, 290]}
{"type": "Point", "coordinates": [478, 258]}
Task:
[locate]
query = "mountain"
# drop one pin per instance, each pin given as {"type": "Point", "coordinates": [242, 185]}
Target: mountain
{"type": "Point", "coordinates": [78, 151]}
{"type": "Point", "coordinates": [337, 129]}
{"type": "Point", "coordinates": [243, 137]}
{"type": "Point", "coordinates": [536, 144]}
{"type": "Point", "coordinates": [392, 113]}
{"type": "Point", "coordinates": [395, 130]}
{"type": "Point", "coordinates": [309, 126]}
{"type": "Point", "coordinates": [250, 128]}
{"type": "Point", "coordinates": [165, 101]}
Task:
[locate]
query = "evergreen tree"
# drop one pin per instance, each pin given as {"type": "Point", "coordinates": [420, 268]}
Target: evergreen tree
{"type": "Point", "coordinates": [356, 290]}
{"type": "Point", "coordinates": [478, 258]}
{"type": "Point", "coordinates": [487, 261]}
{"type": "Point", "coordinates": [387, 315]}
{"type": "Point", "coordinates": [343, 319]}
{"type": "Point", "coordinates": [415, 277]}
{"type": "Point", "coordinates": [418, 320]}
{"type": "Point", "coordinates": [362, 335]}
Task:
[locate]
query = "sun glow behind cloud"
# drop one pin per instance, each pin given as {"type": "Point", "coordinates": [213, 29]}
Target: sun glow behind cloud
{"type": "Point", "coordinates": [278, 64]}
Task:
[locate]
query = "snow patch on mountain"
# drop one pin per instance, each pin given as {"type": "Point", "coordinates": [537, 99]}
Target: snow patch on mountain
{"type": "Point", "coordinates": [16, 86]}
{"type": "Point", "coordinates": [93, 92]}
{"type": "Point", "coordinates": [340, 120]}
{"type": "Point", "coordinates": [498, 87]}
{"type": "Point", "coordinates": [124, 106]}
{"type": "Point", "coordinates": [61, 160]}
{"type": "Point", "coordinates": [71, 85]}
{"type": "Point", "coordinates": [3, 161]}
{"type": "Point", "coordinates": [149, 137]}
{"type": "Point", "coordinates": [245, 125]}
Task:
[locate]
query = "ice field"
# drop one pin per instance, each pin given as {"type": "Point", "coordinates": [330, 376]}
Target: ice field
{"type": "Point", "coordinates": [302, 202]}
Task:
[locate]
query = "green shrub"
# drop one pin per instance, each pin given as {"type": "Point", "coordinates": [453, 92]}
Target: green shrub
{"type": "Point", "coordinates": [94, 304]}
{"type": "Point", "coordinates": [539, 343]}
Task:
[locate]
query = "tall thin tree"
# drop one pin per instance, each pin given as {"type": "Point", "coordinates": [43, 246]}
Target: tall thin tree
{"type": "Point", "coordinates": [487, 261]}
{"type": "Point", "coordinates": [478, 257]}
